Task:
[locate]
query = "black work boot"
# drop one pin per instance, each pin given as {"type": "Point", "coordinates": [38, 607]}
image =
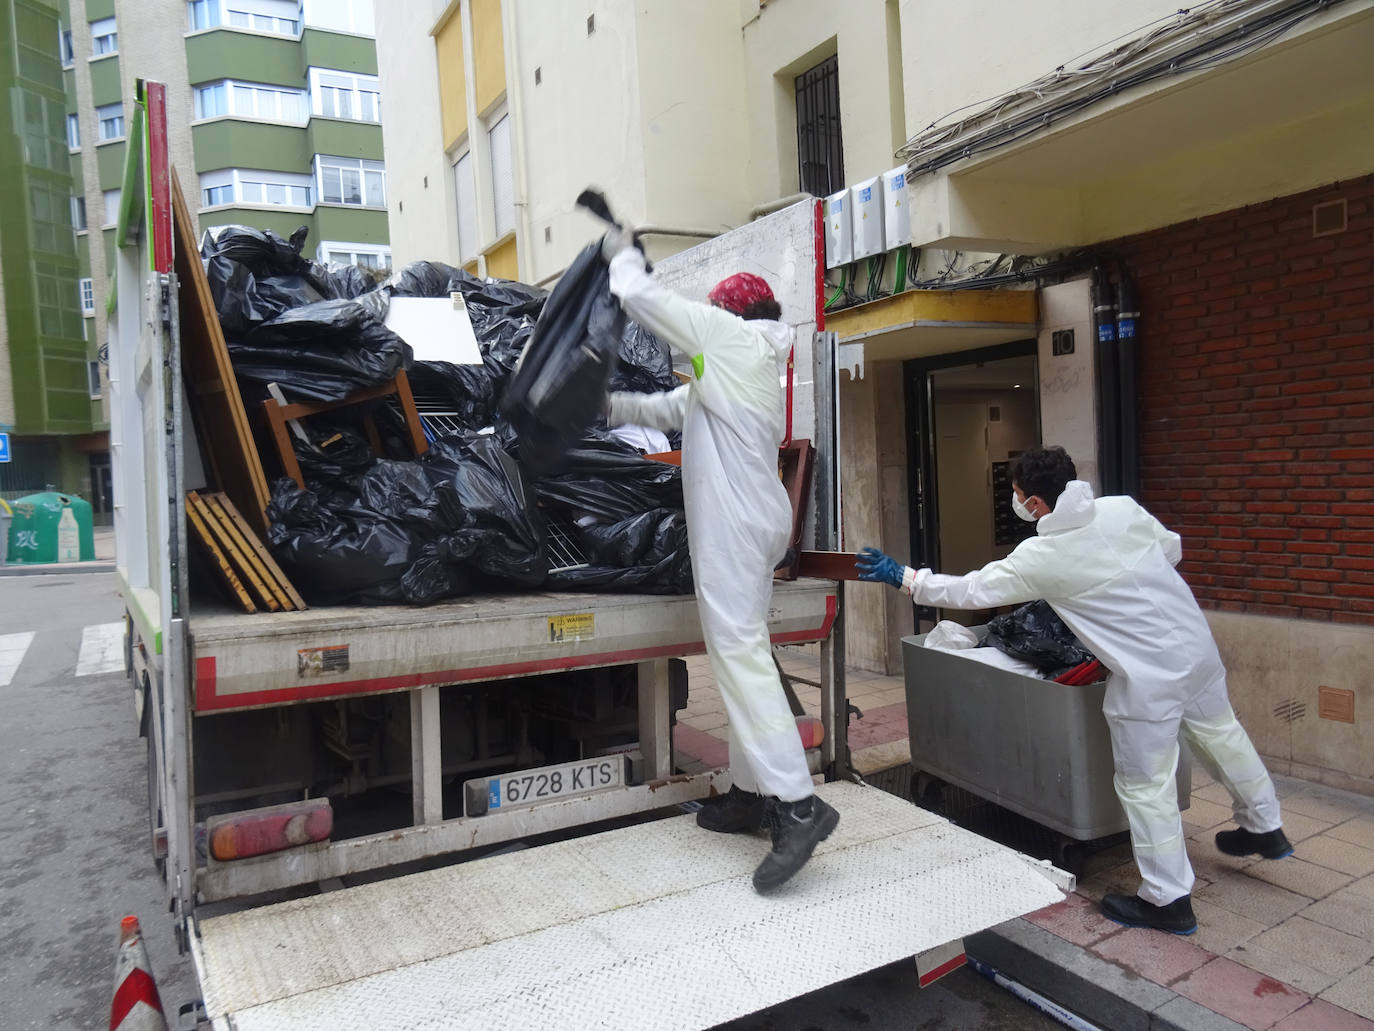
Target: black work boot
{"type": "Point", "coordinates": [733, 812]}
{"type": "Point", "coordinates": [1133, 911]}
{"type": "Point", "coordinates": [1240, 842]}
{"type": "Point", "coordinates": [797, 828]}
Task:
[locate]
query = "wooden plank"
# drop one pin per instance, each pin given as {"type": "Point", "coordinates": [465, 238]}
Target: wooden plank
{"type": "Point", "coordinates": [219, 414]}
{"type": "Point", "coordinates": [279, 599]}
{"type": "Point", "coordinates": [828, 565]}
{"type": "Point", "coordinates": [202, 534]}
{"type": "Point", "coordinates": [213, 521]}
{"type": "Point", "coordinates": [281, 578]}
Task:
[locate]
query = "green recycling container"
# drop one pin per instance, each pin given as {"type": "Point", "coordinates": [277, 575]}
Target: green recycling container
{"type": "Point", "coordinates": [51, 527]}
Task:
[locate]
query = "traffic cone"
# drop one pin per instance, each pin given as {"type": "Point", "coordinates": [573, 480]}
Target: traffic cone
{"type": "Point", "coordinates": [136, 1006]}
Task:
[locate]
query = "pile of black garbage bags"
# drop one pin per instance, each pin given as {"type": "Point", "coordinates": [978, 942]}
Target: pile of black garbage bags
{"type": "Point", "coordinates": [523, 489]}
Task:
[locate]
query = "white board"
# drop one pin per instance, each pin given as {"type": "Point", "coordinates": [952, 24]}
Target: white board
{"type": "Point", "coordinates": [781, 248]}
{"type": "Point", "coordinates": [436, 328]}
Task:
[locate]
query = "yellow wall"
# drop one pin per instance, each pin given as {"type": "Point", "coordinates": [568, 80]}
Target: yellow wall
{"type": "Point", "coordinates": [502, 261]}
{"type": "Point", "coordinates": [488, 53]}
{"type": "Point", "coordinates": [453, 93]}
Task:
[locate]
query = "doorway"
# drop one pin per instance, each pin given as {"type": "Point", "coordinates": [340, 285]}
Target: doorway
{"type": "Point", "coordinates": [968, 415]}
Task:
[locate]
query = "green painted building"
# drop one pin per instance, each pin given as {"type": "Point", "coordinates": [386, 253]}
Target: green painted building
{"type": "Point", "coordinates": [274, 121]}
{"type": "Point", "coordinates": [46, 356]}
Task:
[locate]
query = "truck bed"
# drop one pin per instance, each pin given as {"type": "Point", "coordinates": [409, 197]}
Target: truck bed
{"type": "Point", "coordinates": [654, 925]}
{"type": "Point", "coordinates": [246, 661]}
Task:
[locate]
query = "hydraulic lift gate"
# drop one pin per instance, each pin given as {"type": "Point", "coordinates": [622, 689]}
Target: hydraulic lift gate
{"type": "Point", "coordinates": [654, 925]}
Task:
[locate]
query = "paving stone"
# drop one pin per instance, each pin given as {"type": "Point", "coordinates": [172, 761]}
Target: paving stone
{"type": "Point", "coordinates": [1328, 804]}
{"type": "Point", "coordinates": [1282, 966]}
{"type": "Point", "coordinates": [1076, 919]}
{"type": "Point", "coordinates": [1298, 875]}
{"type": "Point", "coordinates": [1319, 946]}
{"type": "Point", "coordinates": [1318, 1015]}
{"type": "Point", "coordinates": [1359, 830]}
{"type": "Point", "coordinates": [1212, 864]}
{"type": "Point", "coordinates": [1354, 992]}
{"type": "Point", "coordinates": [1254, 999]}
{"type": "Point", "coordinates": [1299, 827]}
{"type": "Point", "coordinates": [1335, 854]}
{"type": "Point", "coordinates": [707, 721]}
{"type": "Point", "coordinates": [1101, 992]}
{"type": "Point", "coordinates": [1161, 957]}
{"type": "Point", "coordinates": [1206, 814]}
{"type": "Point", "coordinates": [1364, 886]}
{"type": "Point", "coordinates": [1266, 903]}
{"type": "Point", "coordinates": [882, 756]}
{"type": "Point", "coordinates": [1180, 1014]}
{"type": "Point", "coordinates": [1219, 930]}
{"type": "Point", "coordinates": [1214, 793]}
{"type": "Point", "coordinates": [1346, 910]}
{"type": "Point", "coordinates": [1123, 879]}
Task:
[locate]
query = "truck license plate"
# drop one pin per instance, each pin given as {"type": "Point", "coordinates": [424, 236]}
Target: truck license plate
{"type": "Point", "coordinates": [530, 787]}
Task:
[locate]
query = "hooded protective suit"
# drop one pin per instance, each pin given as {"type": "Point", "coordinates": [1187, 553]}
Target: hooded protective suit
{"type": "Point", "coordinates": [1106, 567]}
{"type": "Point", "coordinates": [738, 516]}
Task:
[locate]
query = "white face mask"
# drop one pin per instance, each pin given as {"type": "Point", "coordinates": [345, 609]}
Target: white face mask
{"type": "Point", "coordinates": [1020, 509]}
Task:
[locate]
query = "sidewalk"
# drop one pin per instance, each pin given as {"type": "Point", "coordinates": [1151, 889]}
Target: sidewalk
{"type": "Point", "coordinates": [1287, 945]}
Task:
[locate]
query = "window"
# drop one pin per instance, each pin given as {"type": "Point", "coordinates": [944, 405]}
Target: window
{"type": "Point", "coordinates": [366, 255]}
{"type": "Point", "coordinates": [93, 374]}
{"type": "Point", "coordinates": [79, 214]}
{"type": "Point", "coordinates": [65, 47]}
{"type": "Point", "coordinates": [341, 16]}
{"type": "Point", "coordinates": [465, 191]}
{"type": "Point", "coordinates": [341, 95]}
{"type": "Point", "coordinates": [73, 131]}
{"type": "Point", "coordinates": [104, 37]}
{"type": "Point", "coordinates": [820, 148]}
{"type": "Point", "coordinates": [87, 287]}
{"type": "Point", "coordinates": [257, 188]}
{"type": "Point", "coordinates": [111, 119]}
{"type": "Point", "coordinates": [111, 207]}
{"type": "Point", "coordinates": [502, 176]}
{"type": "Point", "coordinates": [275, 16]}
{"type": "Point", "coordinates": [351, 181]}
{"type": "Point", "coordinates": [203, 14]}
{"type": "Point", "coordinates": [251, 100]}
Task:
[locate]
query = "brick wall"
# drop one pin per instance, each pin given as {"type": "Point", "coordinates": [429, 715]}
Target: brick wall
{"type": "Point", "coordinates": [1257, 403]}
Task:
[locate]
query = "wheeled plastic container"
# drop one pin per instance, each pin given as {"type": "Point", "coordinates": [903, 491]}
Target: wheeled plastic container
{"type": "Point", "coordinates": [1035, 747]}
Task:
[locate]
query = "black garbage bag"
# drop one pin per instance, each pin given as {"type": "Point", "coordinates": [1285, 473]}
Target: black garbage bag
{"type": "Point", "coordinates": [560, 387]}
{"type": "Point", "coordinates": [435, 279]}
{"type": "Point", "coordinates": [1035, 634]}
{"type": "Point", "coordinates": [324, 351]}
{"type": "Point", "coordinates": [333, 454]}
{"type": "Point", "coordinates": [342, 551]}
{"type": "Point", "coordinates": [255, 276]}
{"type": "Point", "coordinates": [480, 513]}
{"type": "Point", "coordinates": [646, 364]}
{"type": "Point", "coordinates": [341, 282]}
{"type": "Point", "coordinates": [625, 512]}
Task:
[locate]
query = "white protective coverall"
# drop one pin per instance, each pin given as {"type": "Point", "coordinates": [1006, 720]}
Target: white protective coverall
{"type": "Point", "coordinates": [738, 516]}
{"type": "Point", "coordinates": [1106, 567]}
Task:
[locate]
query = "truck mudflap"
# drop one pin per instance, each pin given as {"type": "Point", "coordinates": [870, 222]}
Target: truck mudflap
{"type": "Point", "coordinates": [654, 925]}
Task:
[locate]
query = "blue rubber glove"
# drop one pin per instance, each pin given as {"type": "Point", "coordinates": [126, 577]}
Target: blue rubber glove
{"type": "Point", "coordinates": [874, 565]}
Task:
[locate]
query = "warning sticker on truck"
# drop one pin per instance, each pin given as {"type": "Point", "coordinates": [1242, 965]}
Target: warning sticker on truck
{"type": "Point", "coordinates": [572, 627]}
{"type": "Point", "coordinates": [314, 662]}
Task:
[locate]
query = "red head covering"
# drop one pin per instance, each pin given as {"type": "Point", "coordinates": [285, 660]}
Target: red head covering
{"type": "Point", "coordinates": [738, 292]}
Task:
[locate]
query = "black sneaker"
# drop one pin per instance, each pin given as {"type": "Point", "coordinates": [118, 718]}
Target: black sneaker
{"type": "Point", "coordinates": [1240, 842]}
{"type": "Point", "coordinates": [797, 828]}
{"type": "Point", "coordinates": [1133, 911]}
{"type": "Point", "coordinates": [734, 812]}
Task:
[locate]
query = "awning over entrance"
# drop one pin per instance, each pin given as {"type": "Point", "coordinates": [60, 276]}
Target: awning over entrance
{"type": "Point", "coordinates": [921, 323]}
{"type": "Point", "coordinates": [1294, 114]}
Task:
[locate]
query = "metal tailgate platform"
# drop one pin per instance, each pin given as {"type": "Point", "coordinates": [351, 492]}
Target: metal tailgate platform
{"type": "Point", "coordinates": [655, 925]}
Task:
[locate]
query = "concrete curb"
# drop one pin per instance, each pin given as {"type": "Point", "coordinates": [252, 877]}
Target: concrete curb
{"type": "Point", "coordinates": [58, 568]}
{"type": "Point", "coordinates": [1097, 990]}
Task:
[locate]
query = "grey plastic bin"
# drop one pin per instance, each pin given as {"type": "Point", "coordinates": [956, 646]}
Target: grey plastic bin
{"type": "Point", "coordinates": [1035, 747]}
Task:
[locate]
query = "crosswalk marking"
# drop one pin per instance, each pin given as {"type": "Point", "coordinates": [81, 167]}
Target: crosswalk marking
{"type": "Point", "coordinates": [12, 649]}
{"type": "Point", "coordinates": [102, 649]}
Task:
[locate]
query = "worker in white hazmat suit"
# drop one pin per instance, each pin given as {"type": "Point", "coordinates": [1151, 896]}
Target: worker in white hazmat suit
{"type": "Point", "coordinates": [738, 521]}
{"type": "Point", "coordinates": [1106, 566]}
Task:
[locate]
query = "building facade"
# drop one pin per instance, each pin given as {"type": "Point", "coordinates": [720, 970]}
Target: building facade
{"type": "Point", "coordinates": [1209, 169]}
{"type": "Point", "coordinates": [274, 121]}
